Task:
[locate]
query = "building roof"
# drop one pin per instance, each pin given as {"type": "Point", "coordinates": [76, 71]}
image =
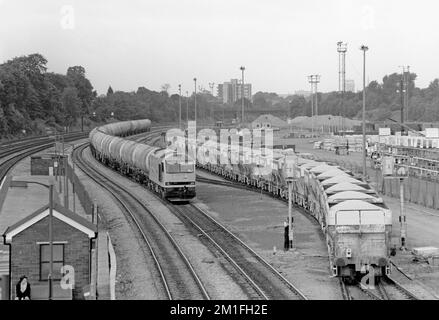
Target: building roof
{"type": "Point", "coordinates": [59, 212]}
{"type": "Point", "coordinates": [274, 121]}
{"type": "Point", "coordinates": [320, 120]}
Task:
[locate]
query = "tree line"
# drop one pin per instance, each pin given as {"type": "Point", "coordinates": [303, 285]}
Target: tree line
{"type": "Point", "coordinates": [383, 101]}
{"type": "Point", "coordinates": [32, 99]}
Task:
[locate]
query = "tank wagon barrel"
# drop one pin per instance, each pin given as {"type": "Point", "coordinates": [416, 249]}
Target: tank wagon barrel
{"type": "Point", "coordinates": [163, 172]}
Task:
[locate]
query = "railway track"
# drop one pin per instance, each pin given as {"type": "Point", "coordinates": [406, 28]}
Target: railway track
{"type": "Point", "coordinates": [178, 278]}
{"type": "Point", "coordinates": [356, 291]}
{"type": "Point", "coordinates": [16, 154]}
{"type": "Point", "coordinates": [386, 289]}
{"type": "Point", "coordinates": [11, 147]}
{"type": "Point", "coordinates": [395, 290]}
{"type": "Point", "coordinates": [256, 276]}
{"type": "Point", "coordinates": [265, 282]}
{"type": "Point", "coordinates": [345, 292]}
{"type": "Point", "coordinates": [252, 272]}
{"type": "Point", "coordinates": [382, 291]}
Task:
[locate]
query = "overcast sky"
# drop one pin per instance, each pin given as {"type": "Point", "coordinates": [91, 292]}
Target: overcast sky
{"type": "Point", "coordinates": [127, 44]}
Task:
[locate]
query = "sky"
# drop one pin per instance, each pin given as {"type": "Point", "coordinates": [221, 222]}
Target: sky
{"type": "Point", "coordinates": [128, 44]}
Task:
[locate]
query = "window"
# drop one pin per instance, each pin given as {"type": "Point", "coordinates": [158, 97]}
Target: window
{"type": "Point", "coordinates": [175, 167]}
{"type": "Point", "coordinates": [172, 167]}
{"type": "Point", "coordinates": [58, 261]}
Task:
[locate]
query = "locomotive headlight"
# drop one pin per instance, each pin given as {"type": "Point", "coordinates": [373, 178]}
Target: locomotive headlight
{"type": "Point", "coordinates": [348, 253]}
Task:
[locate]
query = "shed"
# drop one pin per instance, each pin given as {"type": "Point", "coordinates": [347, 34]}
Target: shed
{"type": "Point", "coordinates": [269, 121]}
{"type": "Point", "coordinates": [29, 252]}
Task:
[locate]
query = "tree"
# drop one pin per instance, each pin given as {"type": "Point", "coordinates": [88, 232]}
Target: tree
{"type": "Point", "coordinates": [297, 106]}
{"type": "Point", "coordinates": [85, 90]}
{"type": "Point", "coordinates": [71, 105]}
{"type": "Point", "coordinates": [259, 101]}
{"type": "Point", "coordinates": [110, 91]}
{"type": "Point", "coordinates": [165, 87]}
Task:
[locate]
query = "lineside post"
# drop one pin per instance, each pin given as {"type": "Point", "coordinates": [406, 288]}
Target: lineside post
{"type": "Point", "coordinates": [402, 219]}
{"type": "Point", "coordinates": [290, 216]}
{"type": "Point", "coordinates": [290, 177]}
{"type": "Point", "coordinates": [392, 171]}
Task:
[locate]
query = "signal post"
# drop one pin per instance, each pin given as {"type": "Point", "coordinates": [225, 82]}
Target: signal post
{"type": "Point", "coordinates": [392, 170]}
{"type": "Point", "coordinates": [290, 178]}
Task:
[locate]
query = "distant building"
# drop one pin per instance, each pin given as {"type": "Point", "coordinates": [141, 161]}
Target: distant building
{"type": "Point", "coordinates": [302, 93]}
{"type": "Point", "coordinates": [350, 86]}
{"type": "Point", "coordinates": [219, 92]}
{"type": "Point", "coordinates": [269, 121]}
{"type": "Point", "coordinates": [230, 92]}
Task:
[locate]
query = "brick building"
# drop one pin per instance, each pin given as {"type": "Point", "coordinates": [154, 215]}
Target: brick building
{"type": "Point", "coordinates": [29, 253]}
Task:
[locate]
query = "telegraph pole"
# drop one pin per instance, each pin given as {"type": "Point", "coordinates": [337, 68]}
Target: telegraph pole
{"type": "Point", "coordinates": [195, 97]}
{"type": "Point", "coordinates": [364, 49]}
{"type": "Point", "coordinates": [310, 80]}
{"type": "Point", "coordinates": [211, 86]}
{"type": "Point", "coordinates": [314, 80]}
{"type": "Point", "coordinates": [341, 49]}
{"type": "Point", "coordinates": [179, 104]}
{"type": "Point", "coordinates": [407, 81]}
{"type": "Point", "coordinates": [242, 94]}
{"type": "Point", "coordinates": [402, 218]}
{"type": "Point", "coordinates": [403, 90]}
{"type": "Point", "coordinates": [187, 107]}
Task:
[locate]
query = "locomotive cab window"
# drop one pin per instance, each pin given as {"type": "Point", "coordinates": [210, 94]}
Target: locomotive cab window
{"type": "Point", "coordinates": [176, 167]}
{"type": "Point", "coordinates": [187, 167]}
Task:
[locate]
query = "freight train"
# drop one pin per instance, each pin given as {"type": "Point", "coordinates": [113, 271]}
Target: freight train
{"type": "Point", "coordinates": [169, 174]}
{"type": "Point", "coordinates": [355, 221]}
